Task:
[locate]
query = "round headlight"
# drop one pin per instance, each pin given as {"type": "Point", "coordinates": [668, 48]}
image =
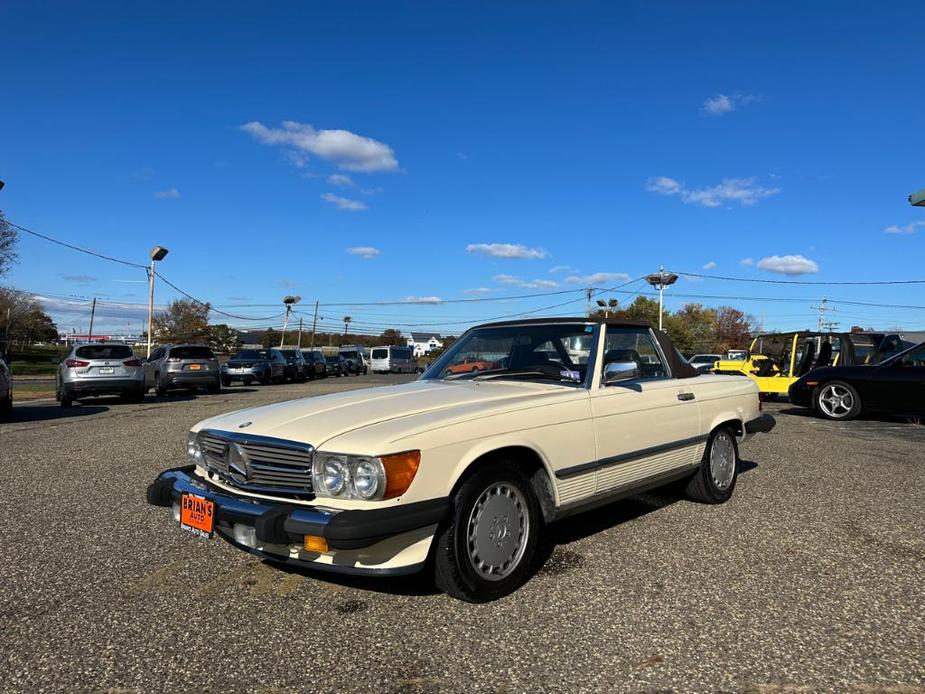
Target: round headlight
{"type": "Point", "coordinates": [193, 449]}
{"type": "Point", "coordinates": [368, 479]}
{"type": "Point", "coordinates": [333, 476]}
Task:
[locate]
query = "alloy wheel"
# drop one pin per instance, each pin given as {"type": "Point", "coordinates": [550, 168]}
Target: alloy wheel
{"type": "Point", "coordinates": [722, 460]}
{"type": "Point", "coordinates": [836, 401]}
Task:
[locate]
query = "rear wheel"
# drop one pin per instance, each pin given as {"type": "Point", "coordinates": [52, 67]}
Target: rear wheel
{"type": "Point", "coordinates": [266, 378]}
{"type": "Point", "coordinates": [837, 400]}
{"type": "Point", "coordinates": [6, 405]}
{"type": "Point", "coordinates": [64, 396]}
{"type": "Point", "coordinates": [159, 388]}
{"type": "Point", "coordinates": [487, 548]}
{"type": "Point", "coordinates": [226, 381]}
{"type": "Point", "coordinates": [216, 386]}
{"type": "Point", "coordinates": [715, 479]}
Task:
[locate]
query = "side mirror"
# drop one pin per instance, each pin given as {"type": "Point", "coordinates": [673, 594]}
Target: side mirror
{"type": "Point", "coordinates": [618, 371]}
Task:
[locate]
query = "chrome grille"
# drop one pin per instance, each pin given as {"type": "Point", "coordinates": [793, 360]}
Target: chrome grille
{"type": "Point", "coordinates": [258, 463]}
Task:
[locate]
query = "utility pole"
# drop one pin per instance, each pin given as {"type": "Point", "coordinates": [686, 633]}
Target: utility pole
{"type": "Point", "coordinates": [300, 333]}
{"type": "Point", "coordinates": [590, 292]}
{"type": "Point", "coordinates": [92, 314]}
{"type": "Point", "coordinates": [347, 320]}
{"type": "Point", "coordinates": [823, 308]}
{"type": "Point", "coordinates": [314, 324]}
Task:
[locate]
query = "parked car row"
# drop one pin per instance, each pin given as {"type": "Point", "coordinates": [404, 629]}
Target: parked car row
{"type": "Point", "coordinates": [110, 368]}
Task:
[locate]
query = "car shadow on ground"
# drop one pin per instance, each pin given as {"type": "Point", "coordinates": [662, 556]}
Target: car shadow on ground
{"type": "Point", "coordinates": [42, 413]}
{"type": "Point", "coordinates": [870, 418]}
{"type": "Point", "coordinates": [548, 560]}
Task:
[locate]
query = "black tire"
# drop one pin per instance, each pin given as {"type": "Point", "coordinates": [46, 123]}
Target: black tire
{"type": "Point", "coordinates": [159, 388]}
{"type": "Point", "coordinates": [455, 572]}
{"type": "Point", "coordinates": [849, 401]}
{"type": "Point", "coordinates": [6, 405]}
{"type": "Point", "coordinates": [133, 396]}
{"type": "Point", "coordinates": [267, 378]}
{"type": "Point", "coordinates": [216, 387]}
{"type": "Point", "coordinates": [709, 484]}
{"type": "Point", "coordinates": [64, 396]}
{"type": "Point", "coordinates": [247, 380]}
{"type": "Point", "coordinates": [226, 382]}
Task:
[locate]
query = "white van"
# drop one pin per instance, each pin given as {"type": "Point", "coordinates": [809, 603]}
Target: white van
{"type": "Point", "coordinates": [399, 360]}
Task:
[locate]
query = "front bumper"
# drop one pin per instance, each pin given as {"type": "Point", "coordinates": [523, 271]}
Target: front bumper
{"type": "Point", "coordinates": [760, 425]}
{"type": "Point", "coordinates": [373, 541]}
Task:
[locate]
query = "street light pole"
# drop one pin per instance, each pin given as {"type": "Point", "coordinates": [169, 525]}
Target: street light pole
{"type": "Point", "coordinates": [157, 253]}
{"type": "Point", "coordinates": [288, 301]}
{"type": "Point", "coordinates": [347, 320]}
{"type": "Point", "coordinates": [659, 280]}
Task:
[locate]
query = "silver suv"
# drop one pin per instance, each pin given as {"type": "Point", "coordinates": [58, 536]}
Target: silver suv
{"type": "Point", "coordinates": [262, 365]}
{"type": "Point", "coordinates": [182, 366]}
{"type": "Point", "coordinates": [106, 368]}
{"type": "Point", "coordinates": [6, 390]}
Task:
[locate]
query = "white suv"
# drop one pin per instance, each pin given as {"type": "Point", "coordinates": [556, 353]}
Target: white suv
{"type": "Point", "coordinates": [106, 368]}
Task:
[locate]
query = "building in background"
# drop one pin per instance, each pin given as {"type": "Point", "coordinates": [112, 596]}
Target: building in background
{"type": "Point", "coordinates": [425, 343]}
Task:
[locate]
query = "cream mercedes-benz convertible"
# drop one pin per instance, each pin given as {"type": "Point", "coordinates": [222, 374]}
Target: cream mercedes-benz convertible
{"type": "Point", "coordinates": [462, 469]}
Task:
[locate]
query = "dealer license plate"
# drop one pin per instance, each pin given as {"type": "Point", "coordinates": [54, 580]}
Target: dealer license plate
{"type": "Point", "coordinates": [197, 515]}
{"type": "Point", "coordinates": [106, 370]}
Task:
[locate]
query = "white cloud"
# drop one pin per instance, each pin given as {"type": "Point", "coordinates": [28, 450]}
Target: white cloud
{"type": "Point", "coordinates": [344, 203]}
{"type": "Point", "coordinates": [718, 104]}
{"type": "Point", "coordinates": [741, 190]}
{"type": "Point", "coordinates": [340, 180]}
{"type": "Point", "coordinates": [423, 300]}
{"type": "Point", "coordinates": [506, 250]}
{"type": "Point", "coordinates": [747, 262]}
{"type": "Point", "coordinates": [169, 193]}
{"type": "Point", "coordinates": [343, 148]}
{"type": "Point", "coordinates": [909, 228]}
{"type": "Point", "coordinates": [478, 290]}
{"type": "Point", "coordinates": [709, 266]}
{"type": "Point", "coordinates": [364, 251]}
{"type": "Point", "coordinates": [788, 265]}
{"type": "Point", "coordinates": [598, 278]}
{"type": "Point", "coordinates": [561, 268]}
{"type": "Point", "coordinates": [527, 284]}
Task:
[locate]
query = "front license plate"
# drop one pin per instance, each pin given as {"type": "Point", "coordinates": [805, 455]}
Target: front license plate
{"type": "Point", "coordinates": [106, 370]}
{"type": "Point", "coordinates": [197, 515]}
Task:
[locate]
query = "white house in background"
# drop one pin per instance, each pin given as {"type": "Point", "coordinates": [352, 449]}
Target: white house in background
{"type": "Point", "coordinates": [424, 343]}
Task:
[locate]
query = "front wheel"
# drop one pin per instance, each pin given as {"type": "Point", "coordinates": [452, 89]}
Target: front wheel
{"type": "Point", "coordinates": [715, 479]}
{"type": "Point", "coordinates": [487, 548]}
{"type": "Point", "coordinates": [837, 400]}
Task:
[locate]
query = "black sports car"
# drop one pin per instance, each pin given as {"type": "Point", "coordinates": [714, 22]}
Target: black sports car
{"type": "Point", "coordinates": [894, 386]}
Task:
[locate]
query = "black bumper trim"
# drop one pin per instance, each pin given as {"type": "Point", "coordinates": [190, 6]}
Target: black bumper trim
{"type": "Point", "coordinates": [281, 523]}
{"type": "Point", "coordinates": [760, 425]}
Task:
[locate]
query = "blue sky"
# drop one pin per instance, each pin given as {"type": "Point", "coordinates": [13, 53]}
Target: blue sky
{"type": "Point", "coordinates": [599, 140]}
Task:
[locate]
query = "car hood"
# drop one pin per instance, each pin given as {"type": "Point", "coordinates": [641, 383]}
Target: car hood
{"type": "Point", "coordinates": [417, 406]}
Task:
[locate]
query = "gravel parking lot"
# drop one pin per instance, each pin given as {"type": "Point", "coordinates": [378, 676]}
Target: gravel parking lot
{"type": "Point", "coordinates": [811, 579]}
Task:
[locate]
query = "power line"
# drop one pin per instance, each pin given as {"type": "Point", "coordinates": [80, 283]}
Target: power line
{"type": "Point", "coordinates": [76, 248]}
{"type": "Point", "coordinates": [801, 282]}
{"type": "Point", "coordinates": [209, 306]}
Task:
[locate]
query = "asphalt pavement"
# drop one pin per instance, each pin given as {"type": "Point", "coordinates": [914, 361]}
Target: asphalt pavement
{"type": "Point", "coordinates": [812, 578]}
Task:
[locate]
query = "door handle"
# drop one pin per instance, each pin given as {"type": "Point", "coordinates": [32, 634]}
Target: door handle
{"type": "Point", "coordinates": [685, 396]}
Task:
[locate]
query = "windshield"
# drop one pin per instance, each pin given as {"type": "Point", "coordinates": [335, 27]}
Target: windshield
{"type": "Point", "coordinates": [105, 352]}
{"type": "Point", "coordinates": [253, 354]}
{"type": "Point", "coordinates": [349, 354]}
{"type": "Point", "coordinates": [555, 352]}
{"type": "Point", "coordinates": [192, 352]}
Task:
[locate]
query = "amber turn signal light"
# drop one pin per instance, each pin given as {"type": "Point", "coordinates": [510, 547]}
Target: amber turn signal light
{"type": "Point", "coordinates": [400, 469]}
{"type": "Point", "coordinates": [316, 543]}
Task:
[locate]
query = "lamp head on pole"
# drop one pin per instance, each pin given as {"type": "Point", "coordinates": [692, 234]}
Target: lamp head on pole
{"type": "Point", "coordinates": [661, 279]}
{"type": "Point", "coordinates": [159, 253]}
{"type": "Point", "coordinates": [290, 300]}
{"type": "Point", "coordinates": [602, 303]}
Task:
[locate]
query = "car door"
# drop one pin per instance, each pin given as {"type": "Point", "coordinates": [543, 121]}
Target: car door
{"type": "Point", "coordinates": [899, 386]}
{"type": "Point", "coordinates": [647, 426]}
